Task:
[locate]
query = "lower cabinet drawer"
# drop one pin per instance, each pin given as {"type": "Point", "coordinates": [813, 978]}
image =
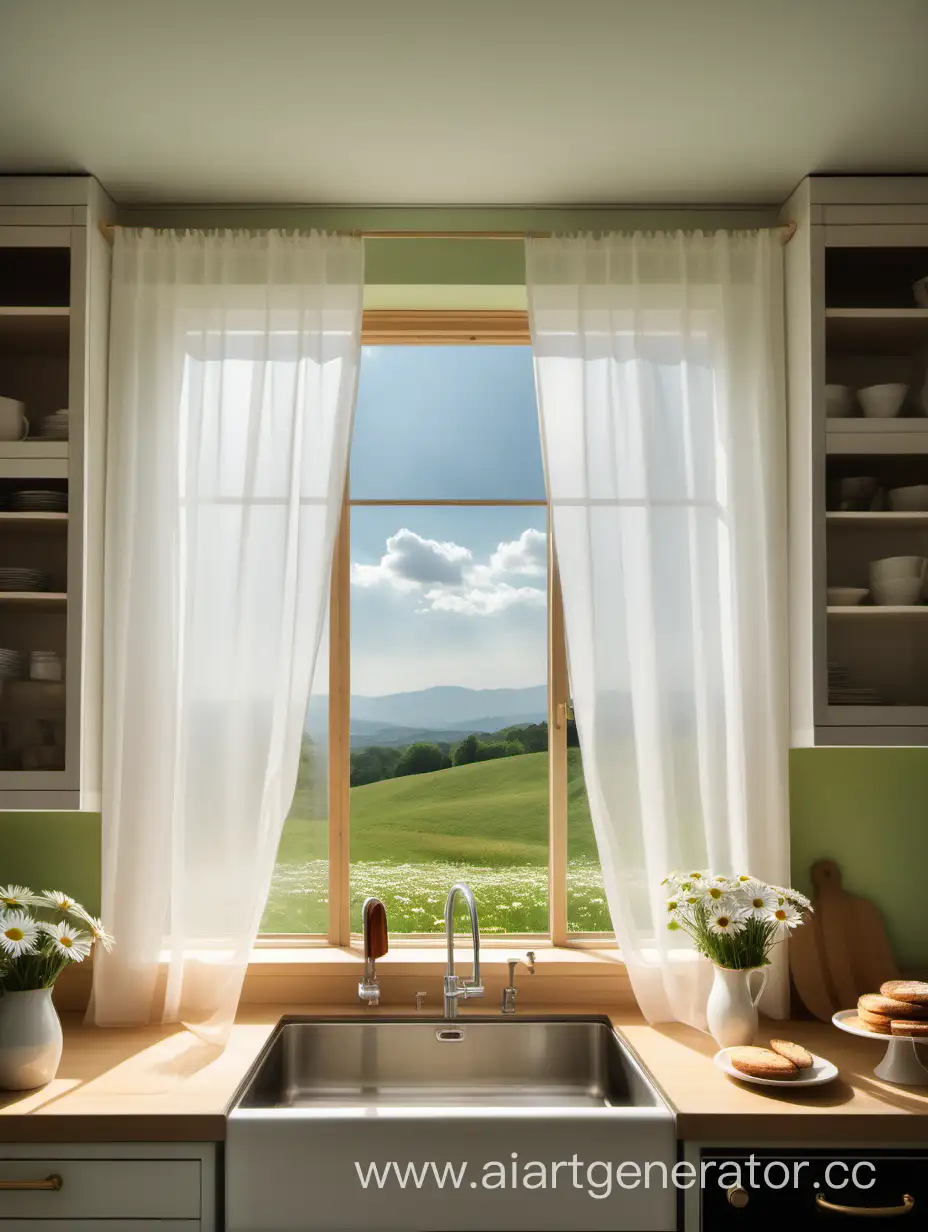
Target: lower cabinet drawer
{"type": "Point", "coordinates": [815, 1188]}
{"type": "Point", "coordinates": [99, 1225]}
{"type": "Point", "coordinates": [135, 1191]}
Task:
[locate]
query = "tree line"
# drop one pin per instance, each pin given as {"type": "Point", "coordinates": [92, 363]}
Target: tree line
{"type": "Point", "coordinates": [377, 762]}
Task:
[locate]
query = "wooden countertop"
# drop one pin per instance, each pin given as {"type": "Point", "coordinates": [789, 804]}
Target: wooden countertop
{"type": "Point", "coordinates": [709, 1105]}
{"type": "Point", "coordinates": [162, 1084]}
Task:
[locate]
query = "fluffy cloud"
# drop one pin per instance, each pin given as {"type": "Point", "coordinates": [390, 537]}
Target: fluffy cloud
{"type": "Point", "coordinates": [527, 555]}
{"type": "Point", "coordinates": [411, 561]}
{"type": "Point", "coordinates": [446, 578]}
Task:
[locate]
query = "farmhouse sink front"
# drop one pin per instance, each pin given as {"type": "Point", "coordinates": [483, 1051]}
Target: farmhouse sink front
{"type": "Point", "coordinates": [499, 1101]}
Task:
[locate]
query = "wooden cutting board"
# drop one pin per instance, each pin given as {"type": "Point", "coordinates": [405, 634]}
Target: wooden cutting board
{"type": "Point", "coordinates": [809, 967]}
{"type": "Point", "coordinates": [844, 952]}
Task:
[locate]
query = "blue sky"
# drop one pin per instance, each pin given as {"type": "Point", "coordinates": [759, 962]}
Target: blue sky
{"type": "Point", "coordinates": [447, 595]}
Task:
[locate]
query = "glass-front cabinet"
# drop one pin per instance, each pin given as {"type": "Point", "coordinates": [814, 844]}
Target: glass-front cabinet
{"type": "Point", "coordinates": [54, 293]}
{"type": "Point", "coordinates": [857, 322]}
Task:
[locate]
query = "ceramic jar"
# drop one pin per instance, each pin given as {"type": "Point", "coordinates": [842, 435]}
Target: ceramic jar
{"type": "Point", "coordinates": [30, 1039]}
{"type": "Point", "coordinates": [731, 1011]}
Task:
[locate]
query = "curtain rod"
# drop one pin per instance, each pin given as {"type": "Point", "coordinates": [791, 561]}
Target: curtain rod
{"type": "Point", "coordinates": [787, 231]}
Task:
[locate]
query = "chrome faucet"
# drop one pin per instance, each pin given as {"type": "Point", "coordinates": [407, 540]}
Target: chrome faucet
{"type": "Point", "coordinates": [374, 933]}
{"type": "Point", "coordinates": [455, 986]}
{"type": "Point", "coordinates": [509, 993]}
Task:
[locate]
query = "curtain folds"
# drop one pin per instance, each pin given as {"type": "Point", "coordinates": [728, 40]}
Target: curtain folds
{"type": "Point", "coordinates": [659, 367]}
{"type": "Point", "coordinates": [233, 370]}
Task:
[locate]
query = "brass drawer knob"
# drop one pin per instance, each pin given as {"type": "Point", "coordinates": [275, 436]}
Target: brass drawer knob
{"type": "Point", "coordinates": [738, 1197]}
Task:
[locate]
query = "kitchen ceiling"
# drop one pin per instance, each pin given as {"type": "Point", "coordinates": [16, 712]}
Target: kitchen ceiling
{"type": "Point", "coordinates": [531, 102]}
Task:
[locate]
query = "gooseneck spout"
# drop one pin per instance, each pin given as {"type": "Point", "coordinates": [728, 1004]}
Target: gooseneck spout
{"type": "Point", "coordinates": [455, 986]}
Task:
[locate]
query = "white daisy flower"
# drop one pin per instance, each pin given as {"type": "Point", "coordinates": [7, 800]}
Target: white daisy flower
{"type": "Point", "coordinates": [760, 901]}
{"type": "Point", "coordinates": [13, 896]}
{"type": "Point", "coordinates": [18, 933]}
{"type": "Point", "coordinates": [67, 942]}
{"type": "Point", "coordinates": [794, 897]}
{"type": "Point", "coordinates": [97, 931]}
{"type": "Point", "coordinates": [725, 921]}
{"type": "Point", "coordinates": [55, 900]}
{"type": "Point", "coordinates": [673, 904]}
{"type": "Point", "coordinates": [715, 893]}
{"type": "Point", "coordinates": [786, 916]}
{"type": "Point", "coordinates": [744, 878]}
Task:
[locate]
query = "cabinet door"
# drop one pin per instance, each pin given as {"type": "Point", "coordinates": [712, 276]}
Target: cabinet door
{"type": "Point", "coordinates": [812, 1189]}
{"type": "Point", "coordinates": [98, 1189]}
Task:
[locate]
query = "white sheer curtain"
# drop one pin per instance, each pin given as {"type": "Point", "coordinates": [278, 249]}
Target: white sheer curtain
{"type": "Point", "coordinates": [659, 366]}
{"type": "Point", "coordinates": [233, 371]}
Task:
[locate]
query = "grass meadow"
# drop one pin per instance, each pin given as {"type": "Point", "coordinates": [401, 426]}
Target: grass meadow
{"type": "Point", "coordinates": [484, 823]}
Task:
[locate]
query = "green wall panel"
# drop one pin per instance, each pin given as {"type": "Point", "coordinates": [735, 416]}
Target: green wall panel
{"type": "Point", "coordinates": [866, 809]}
{"type": "Point", "coordinates": [53, 851]}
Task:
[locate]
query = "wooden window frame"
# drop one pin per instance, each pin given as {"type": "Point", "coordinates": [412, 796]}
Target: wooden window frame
{"type": "Point", "coordinates": [434, 328]}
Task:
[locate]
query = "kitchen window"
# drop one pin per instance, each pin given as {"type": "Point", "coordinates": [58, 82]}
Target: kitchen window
{"type": "Point", "coordinates": [438, 743]}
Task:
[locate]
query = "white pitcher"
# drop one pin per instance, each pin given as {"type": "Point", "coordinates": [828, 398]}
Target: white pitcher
{"type": "Point", "coordinates": [731, 1011]}
{"type": "Point", "coordinates": [30, 1039]}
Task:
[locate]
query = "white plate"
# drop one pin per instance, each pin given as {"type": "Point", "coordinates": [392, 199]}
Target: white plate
{"type": "Point", "coordinates": [822, 1071]}
{"type": "Point", "coordinates": [843, 1020]}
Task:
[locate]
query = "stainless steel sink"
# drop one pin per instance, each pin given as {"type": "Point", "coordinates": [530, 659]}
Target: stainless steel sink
{"type": "Point", "coordinates": [328, 1099]}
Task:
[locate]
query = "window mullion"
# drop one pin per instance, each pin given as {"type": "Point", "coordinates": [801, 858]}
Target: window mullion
{"type": "Point", "coordinates": [557, 755]}
{"type": "Point", "coordinates": [340, 733]}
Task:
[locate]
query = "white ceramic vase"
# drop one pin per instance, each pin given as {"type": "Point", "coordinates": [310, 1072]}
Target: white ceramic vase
{"type": "Point", "coordinates": [731, 1010]}
{"type": "Point", "coordinates": [30, 1039]}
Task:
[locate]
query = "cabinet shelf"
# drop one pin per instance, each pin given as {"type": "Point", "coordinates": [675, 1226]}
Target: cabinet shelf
{"type": "Point", "coordinates": [911, 611]}
{"type": "Point", "coordinates": [41, 519]}
{"type": "Point", "coordinates": [34, 329]}
{"type": "Point", "coordinates": [876, 436]}
{"type": "Point", "coordinates": [882, 331]}
{"type": "Point", "coordinates": [38, 599]}
{"type": "Point", "coordinates": [885, 520]}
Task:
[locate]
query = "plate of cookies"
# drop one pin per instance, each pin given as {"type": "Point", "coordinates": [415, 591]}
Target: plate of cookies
{"type": "Point", "coordinates": [898, 1011]}
{"type": "Point", "coordinates": [783, 1064]}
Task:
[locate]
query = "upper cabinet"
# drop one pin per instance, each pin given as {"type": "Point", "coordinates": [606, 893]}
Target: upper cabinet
{"type": "Point", "coordinates": [54, 320]}
{"type": "Point", "coordinates": [857, 353]}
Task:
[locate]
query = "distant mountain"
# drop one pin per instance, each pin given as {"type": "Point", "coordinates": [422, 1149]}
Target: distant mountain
{"type": "Point", "coordinates": [444, 708]}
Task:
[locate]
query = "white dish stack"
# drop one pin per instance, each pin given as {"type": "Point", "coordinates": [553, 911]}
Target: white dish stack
{"type": "Point", "coordinates": [57, 426]}
{"type": "Point", "coordinates": [18, 580]}
{"type": "Point", "coordinates": [11, 664]}
{"type": "Point", "coordinates": [39, 500]}
{"type": "Point", "coordinates": [842, 693]}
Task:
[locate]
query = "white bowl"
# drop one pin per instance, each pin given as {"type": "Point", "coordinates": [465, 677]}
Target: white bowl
{"type": "Point", "coordinates": [920, 291]}
{"type": "Point", "coordinates": [882, 401]}
{"type": "Point", "coordinates": [891, 567]}
{"type": "Point", "coordinates": [897, 592]}
{"type": "Point", "coordinates": [837, 402]}
{"type": "Point", "coordinates": [909, 500]}
{"type": "Point", "coordinates": [846, 596]}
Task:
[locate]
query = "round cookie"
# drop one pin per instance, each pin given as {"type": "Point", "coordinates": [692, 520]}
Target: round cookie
{"type": "Point", "coordinates": [799, 1056]}
{"type": "Point", "coordinates": [910, 1027]}
{"type": "Point", "coordinates": [762, 1063]}
{"type": "Point", "coordinates": [874, 1022]}
{"type": "Point", "coordinates": [913, 991]}
{"type": "Point", "coordinates": [889, 1007]}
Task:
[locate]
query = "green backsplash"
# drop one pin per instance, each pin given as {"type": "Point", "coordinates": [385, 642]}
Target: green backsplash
{"type": "Point", "coordinates": [53, 851]}
{"type": "Point", "coordinates": [865, 808]}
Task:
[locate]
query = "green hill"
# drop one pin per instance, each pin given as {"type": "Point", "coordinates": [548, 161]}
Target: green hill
{"type": "Point", "coordinates": [487, 813]}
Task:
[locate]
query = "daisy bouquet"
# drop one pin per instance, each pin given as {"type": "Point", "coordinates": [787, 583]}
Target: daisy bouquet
{"type": "Point", "coordinates": [733, 921]}
{"type": "Point", "coordinates": [41, 934]}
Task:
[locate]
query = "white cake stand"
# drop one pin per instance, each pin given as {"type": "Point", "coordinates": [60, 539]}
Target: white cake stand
{"type": "Point", "coordinates": [901, 1065]}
